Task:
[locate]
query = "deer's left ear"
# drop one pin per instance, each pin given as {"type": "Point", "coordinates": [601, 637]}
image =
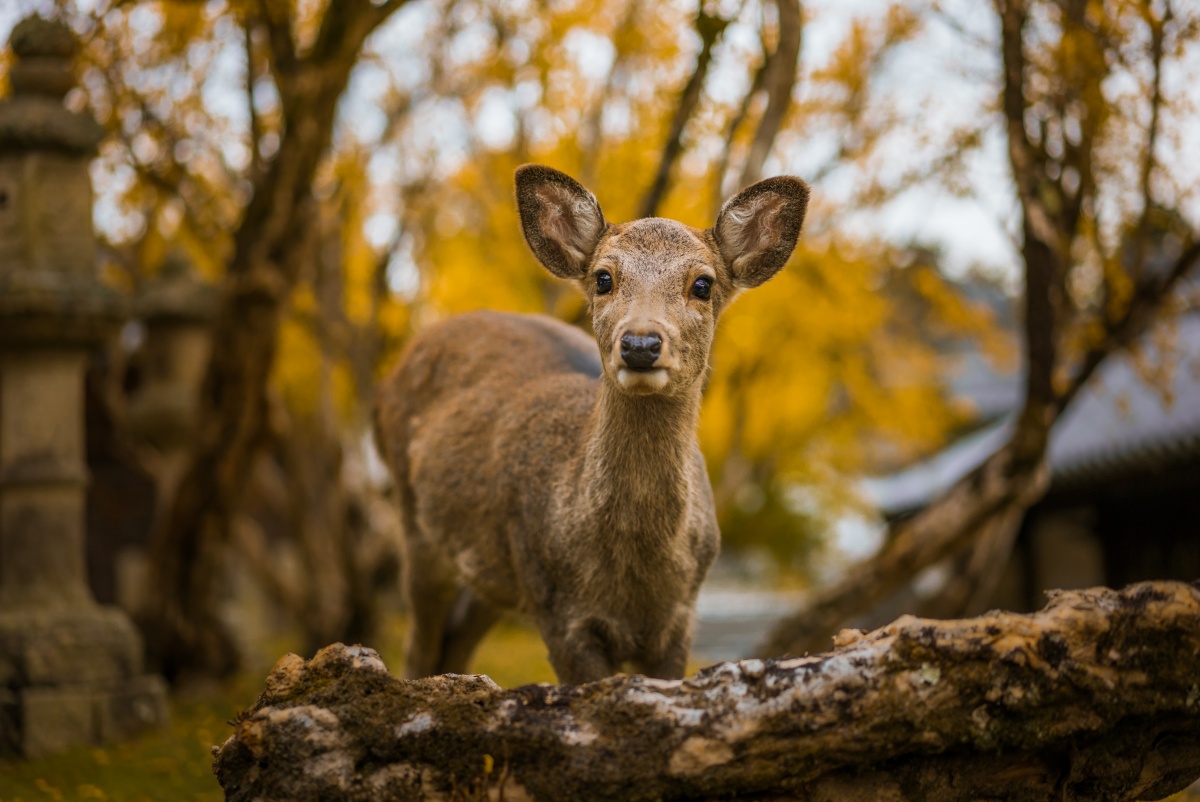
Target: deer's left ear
{"type": "Point", "coordinates": [757, 229]}
{"type": "Point", "coordinates": [561, 219]}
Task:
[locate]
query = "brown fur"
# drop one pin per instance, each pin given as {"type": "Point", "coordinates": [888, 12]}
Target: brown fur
{"type": "Point", "coordinates": [527, 484]}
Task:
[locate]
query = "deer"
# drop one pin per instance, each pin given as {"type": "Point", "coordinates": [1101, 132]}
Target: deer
{"type": "Point", "coordinates": [556, 476]}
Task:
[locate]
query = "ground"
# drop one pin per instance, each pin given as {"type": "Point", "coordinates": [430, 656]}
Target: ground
{"type": "Point", "coordinates": [174, 765]}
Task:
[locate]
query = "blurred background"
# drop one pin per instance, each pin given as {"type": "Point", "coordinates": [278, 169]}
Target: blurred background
{"type": "Point", "coordinates": [997, 255]}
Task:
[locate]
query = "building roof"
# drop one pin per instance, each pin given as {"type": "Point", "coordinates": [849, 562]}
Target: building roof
{"type": "Point", "coordinates": [1118, 424]}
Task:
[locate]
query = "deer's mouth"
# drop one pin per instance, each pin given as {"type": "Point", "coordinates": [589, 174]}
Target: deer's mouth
{"type": "Point", "coordinates": [642, 380]}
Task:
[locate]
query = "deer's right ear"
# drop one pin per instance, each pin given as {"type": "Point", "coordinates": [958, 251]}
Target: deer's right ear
{"type": "Point", "coordinates": [757, 229]}
{"type": "Point", "coordinates": [562, 220]}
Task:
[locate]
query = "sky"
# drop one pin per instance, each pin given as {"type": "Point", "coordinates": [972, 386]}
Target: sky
{"type": "Point", "coordinates": [943, 75]}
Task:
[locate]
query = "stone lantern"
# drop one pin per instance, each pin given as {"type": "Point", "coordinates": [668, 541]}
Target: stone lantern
{"type": "Point", "coordinates": [71, 671]}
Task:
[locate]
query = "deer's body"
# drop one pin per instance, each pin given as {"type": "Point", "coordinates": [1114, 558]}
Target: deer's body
{"type": "Point", "coordinates": [585, 541]}
{"type": "Point", "coordinates": [541, 474]}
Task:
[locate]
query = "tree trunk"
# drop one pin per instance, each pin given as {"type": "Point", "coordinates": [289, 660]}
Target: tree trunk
{"type": "Point", "coordinates": [990, 502]}
{"type": "Point", "coordinates": [184, 628]}
{"type": "Point", "coordinates": [974, 577]}
{"type": "Point", "coordinates": [1093, 698]}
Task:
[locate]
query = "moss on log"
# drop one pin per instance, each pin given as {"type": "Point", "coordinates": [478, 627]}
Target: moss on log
{"type": "Point", "coordinates": [1096, 697]}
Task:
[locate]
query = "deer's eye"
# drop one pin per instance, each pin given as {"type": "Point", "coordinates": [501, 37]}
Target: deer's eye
{"type": "Point", "coordinates": [702, 288]}
{"type": "Point", "coordinates": [604, 282]}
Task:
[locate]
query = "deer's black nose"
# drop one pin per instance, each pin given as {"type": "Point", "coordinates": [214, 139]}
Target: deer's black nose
{"type": "Point", "coordinates": [640, 352]}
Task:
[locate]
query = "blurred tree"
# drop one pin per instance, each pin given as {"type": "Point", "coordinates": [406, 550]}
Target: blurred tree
{"type": "Point", "coordinates": [272, 241]}
{"type": "Point", "coordinates": [341, 325]}
{"type": "Point", "coordinates": [245, 205]}
{"type": "Point", "coordinates": [336, 232]}
{"type": "Point", "coordinates": [709, 27]}
{"type": "Point", "coordinates": [1086, 106]}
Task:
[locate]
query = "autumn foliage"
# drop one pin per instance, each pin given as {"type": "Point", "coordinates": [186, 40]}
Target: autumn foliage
{"type": "Point", "coordinates": [348, 239]}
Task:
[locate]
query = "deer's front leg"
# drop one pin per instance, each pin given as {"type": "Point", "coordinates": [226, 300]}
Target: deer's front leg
{"type": "Point", "coordinates": [670, 661]}
{"type": "Point", "coordinates": [431, 595]}
{"type": "Point", "coordinates": [581, 651]}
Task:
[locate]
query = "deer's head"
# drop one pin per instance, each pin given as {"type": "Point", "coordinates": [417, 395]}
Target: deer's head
{"type": "Point", "coordinates": [656, 287]}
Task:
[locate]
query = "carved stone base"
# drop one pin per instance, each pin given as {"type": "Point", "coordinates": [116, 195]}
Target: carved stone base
{"type": "Point", "coordinates": [73, 676]}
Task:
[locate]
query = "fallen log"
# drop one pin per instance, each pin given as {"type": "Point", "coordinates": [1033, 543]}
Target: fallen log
{"type": "Point", "coordinates": [1096, 697]}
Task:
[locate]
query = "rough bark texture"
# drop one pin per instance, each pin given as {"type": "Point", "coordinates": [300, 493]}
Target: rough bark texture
{"type": "Point", "coordinates": [1096, 697]}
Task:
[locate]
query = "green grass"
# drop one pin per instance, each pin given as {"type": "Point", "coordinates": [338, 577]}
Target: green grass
{"type": "Point", "coordinates": [168, 764]}
{"type": "Point", "coordinates": [174, 764]}
{"type": "Point", "coordinates": [512, 654]}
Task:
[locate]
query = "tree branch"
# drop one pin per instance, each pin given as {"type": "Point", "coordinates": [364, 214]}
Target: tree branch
{"type": "Point", "coordinates": [1138, 314]}
{"type": "Point", "coordinates": [591, 133]}
{"type": "Point", "coordinates": [779, 80]}
{"type": "Point", "coordinates": [256, 131]}
{"type": "Point", "coordinates": [280, 41]}
{"type": "Point", "coordinates": [1093, 698]}
{"type": "Point", "coordinates": [721, 191]}
{"type": "Point", "coordinates": [1026, 163]}
{"type": "Point", "coordinates": [709, 27]}
{"type": "Point", "coordinates": [974, 576]}
{"type": "Point", "coordinates": [1149, 160]}
{"type": "Point", "coordinates": [938, 531]}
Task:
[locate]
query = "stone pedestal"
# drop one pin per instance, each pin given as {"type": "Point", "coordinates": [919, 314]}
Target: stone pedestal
{"type": "Point", "coordinates": [70, 670]}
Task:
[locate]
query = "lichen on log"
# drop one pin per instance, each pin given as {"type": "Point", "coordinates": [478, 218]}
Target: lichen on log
{"type": "Point", "coordinates": [1096, 697]}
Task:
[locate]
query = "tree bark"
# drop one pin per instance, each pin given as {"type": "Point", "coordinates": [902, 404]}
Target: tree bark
{"type": "Point", "coordinates": [1093, 698]}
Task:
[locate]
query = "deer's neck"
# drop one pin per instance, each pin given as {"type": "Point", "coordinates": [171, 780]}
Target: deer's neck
{"type": "Point", "coordinates": [638, 461]}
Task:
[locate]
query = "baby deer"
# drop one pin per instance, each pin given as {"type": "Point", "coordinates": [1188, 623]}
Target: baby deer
{"type": "Point", "coordinates": [541, 472]}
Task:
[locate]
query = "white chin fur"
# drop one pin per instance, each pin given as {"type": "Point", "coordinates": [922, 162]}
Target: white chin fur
{"type": "Point", "coordinates": [646, 381]}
